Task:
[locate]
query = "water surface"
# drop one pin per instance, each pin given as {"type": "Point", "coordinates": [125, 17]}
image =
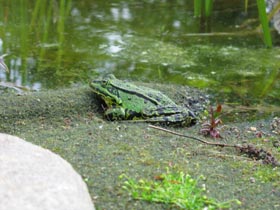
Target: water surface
{"type": "Point", "coordinates": [52, 44]}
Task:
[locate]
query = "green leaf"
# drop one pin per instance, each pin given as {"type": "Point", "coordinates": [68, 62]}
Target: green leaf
{"type": "Point", "coordinates": [264, 23]}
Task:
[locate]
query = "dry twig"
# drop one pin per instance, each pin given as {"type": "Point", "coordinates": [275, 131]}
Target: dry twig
{"type": "Point", "coordinates": [250, 150]}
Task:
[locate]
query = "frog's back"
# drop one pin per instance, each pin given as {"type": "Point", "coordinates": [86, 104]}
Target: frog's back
{"type": "Point", "coordinates": [148, 94]}
{"type": "Point", "coordinates": [161, 98]}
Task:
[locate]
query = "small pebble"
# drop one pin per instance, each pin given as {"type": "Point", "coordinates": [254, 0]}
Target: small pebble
{"type": "Point", "coordinates": [252, 180]}
{"type": "Point", "coordinates": [253, 128]}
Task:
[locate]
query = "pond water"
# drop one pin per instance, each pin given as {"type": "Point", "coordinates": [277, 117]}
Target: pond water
{"type": "Point", "coordinates": [55, 43]}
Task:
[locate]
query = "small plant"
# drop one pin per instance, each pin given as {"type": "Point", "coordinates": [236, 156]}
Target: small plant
{"type": "Point", "coordinates": [178, 189]}
{"type": "Point", "coordinates": [209, 128]}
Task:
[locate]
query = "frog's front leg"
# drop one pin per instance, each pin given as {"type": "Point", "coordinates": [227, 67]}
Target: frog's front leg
{"type": "Point", "coordinates": [116, 113]}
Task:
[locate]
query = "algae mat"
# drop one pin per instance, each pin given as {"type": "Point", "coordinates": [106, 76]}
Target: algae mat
{"type": "Point", "coordinates": [69, 122]}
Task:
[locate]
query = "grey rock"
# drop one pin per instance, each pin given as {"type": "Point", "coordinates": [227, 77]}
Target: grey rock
{"type": "Point", "coordinates": [33, 178]}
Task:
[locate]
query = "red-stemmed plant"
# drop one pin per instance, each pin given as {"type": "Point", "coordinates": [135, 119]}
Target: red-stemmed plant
{"type": "Point", "coordinates": [209, 128]}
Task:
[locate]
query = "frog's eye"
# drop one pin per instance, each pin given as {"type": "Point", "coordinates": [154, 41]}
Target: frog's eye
{"type": "Point", "coordinates": [104, 83]}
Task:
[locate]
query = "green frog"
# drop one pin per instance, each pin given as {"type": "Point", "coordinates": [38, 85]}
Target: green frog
{"type": "Point", "coordinates": [127, 101]}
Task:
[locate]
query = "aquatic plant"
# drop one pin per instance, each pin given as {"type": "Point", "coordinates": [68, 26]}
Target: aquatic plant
{"type": "Point", "coordinates": [208, 7]}
{"type": "Point", "coordinates": [204, 8]}
{"type": "Point", "coordinates": [40, 32]}
{"type": "Point", "coordinates": [264, 23]}
{"type": "Point", "coordinates": [197, 7]}
{"type": "Point", "coordinates": [177, 188]}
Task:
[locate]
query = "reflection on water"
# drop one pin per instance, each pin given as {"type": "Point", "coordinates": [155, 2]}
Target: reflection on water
{"type": "Point", "coordinates": [64, 42]}
{"type": "Point", "coordinates": [114, 42]}
{"type": "Point", "coordinates": [1, 45]}
{"type": "Point", "coordinates": [120, 14]}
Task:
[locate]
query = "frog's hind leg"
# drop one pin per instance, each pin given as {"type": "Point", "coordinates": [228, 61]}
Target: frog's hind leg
{"type": "Point", "coordinates": [175, 119]}
{"type": "Point", "coordinates": [167, 111]}
{"type": "Point", "coordinates": [170, 115]}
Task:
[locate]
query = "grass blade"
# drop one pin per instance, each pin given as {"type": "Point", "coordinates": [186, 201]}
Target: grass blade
{"type": "Point", "coordinates": [208, 7]}
{"type": "Point", "coordinates": [264, 23]}
{"type": "Point", "coordinates": [197, 7]}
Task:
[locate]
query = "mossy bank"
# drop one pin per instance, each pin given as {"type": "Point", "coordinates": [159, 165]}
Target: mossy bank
{"type": "Point", "coordinates": [69, 122]}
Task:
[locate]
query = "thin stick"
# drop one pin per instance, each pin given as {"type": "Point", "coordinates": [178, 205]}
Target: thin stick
{"type": "Point", "coordinates": [250, 150]}
{"type": "Point", "coordinates": [194, 138]}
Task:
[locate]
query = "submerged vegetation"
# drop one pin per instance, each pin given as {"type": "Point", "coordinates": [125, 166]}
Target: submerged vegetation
{"type": "Point", "coordinates": [204, 8]}
{"type": "Point", "coordinates": [33, 39]}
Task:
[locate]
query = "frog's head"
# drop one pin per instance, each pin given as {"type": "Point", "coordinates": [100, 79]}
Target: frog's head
{"type": "Point", "coordinates": [106, 90]}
